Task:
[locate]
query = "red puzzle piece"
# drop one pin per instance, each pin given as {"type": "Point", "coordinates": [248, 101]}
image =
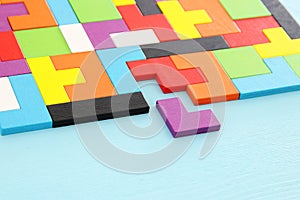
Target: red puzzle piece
{"type": "Point", "coordinates": [165, 72]}
{"type": "Point", "coordinates": [251, 32]}
{"type": "Point", "coordinates": [136, 21]}
{"type": "Point", "coordinates": [9, 48]}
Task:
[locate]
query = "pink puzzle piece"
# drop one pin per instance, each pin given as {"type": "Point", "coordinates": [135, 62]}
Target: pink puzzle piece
{"type": "Point", "coordinates": [14, 67]}
{"type": "Point", "coordinates": [183, 123]}
{"type": "Point", "coordinates": [10, 10]}
{"type": "Point", "coordinates": [99, 32]}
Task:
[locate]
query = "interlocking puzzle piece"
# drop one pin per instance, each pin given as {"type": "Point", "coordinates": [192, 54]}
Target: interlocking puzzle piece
{"type": "Point", "coordinates": [245, 9]}
{"type": "Point", "coordinates": [8, 99]}
{"type": "Point", "coordinates": [123, 2]}
{"type": "Point", "coordinates": [99, 32]}
{"type": "Point", "coordinates": [95, 10]}
{"type": "Point", "coordinates": [62, 12]}
{"type": "Point", "coordinates": [169, 78]}
{"type": "Point", "coordinates": [39, 15]}
{"type": "Point", "coordinates": [76, 38]}
{"type": "Point", "coordinates": [134, 38]}
{"type": "Point", "coordinates": [42, 42]}
{"type": "Point", "coordinates": [51, 82]}
{"type": "Point", "coordinates": [281, 44]}
{"type": "Point", "coordinates": [9, 49]}
{"type": "Point", "coordinates": [184, 46]}
{"type": "Point", "coordinates": [10, 10]}
{"type": "Point", "coordinates": [32, 115]}
{"type": "Point", "coordinates": [114, 62]}
{"type": "Point", "coordinates": [251, 32]}
{"type": "Point", "coordinates": [148, 7]}
{"type": "Point", "coordinates": [183, 22]}
{"type": "Point", "coordinates": [241, 62]}
{"type": "Point", "coordinates": [217, 88]}
{"type": "Point", "coordinates": [221, 22]}
{"type": "Point", "coordinates": [283, 17]}
{"type": "Point", "coordinates": [13, 67]}
{"type": "Point", "coordinates": [136, 21]}
{"type": "Point", "coordinates": [97, 83]}
{"type": "Point", "coordinates": [294, 62]}
{"type": "Point", "coordinates": [98, 109]}
{"type": "Point", "coordinates": [183, 123]}
{"type": "Point", "coordinates": [282, 79]}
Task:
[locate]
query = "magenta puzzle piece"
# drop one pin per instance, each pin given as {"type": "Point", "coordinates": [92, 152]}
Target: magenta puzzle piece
{"type": "Point", "coordinates": [13, 67]}
{"type": "Point", "coordinates": [7, 10]}
{"type": "Point", "coordinates": [98, 32]}
{"type": "Point", "coordinates": [183, 123]}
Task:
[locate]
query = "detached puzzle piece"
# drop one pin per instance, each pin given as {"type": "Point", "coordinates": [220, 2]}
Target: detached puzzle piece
{"type": "Point", "coordinates": [39, 15]}
{"type": "Point", "coordinates": [32, 115]}
{"type": "Point", "coordinates": [183, 123]}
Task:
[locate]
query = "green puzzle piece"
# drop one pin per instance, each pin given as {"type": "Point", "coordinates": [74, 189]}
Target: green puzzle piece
{"type": "Point", "coordinates": [294, 62]}
{"type": "Point", "coordinates": [42, 42]}
{"type": "Point", "coordinates": [95, 10]}
{"type": "Point", "coordinates": [243, 9]}
{"type": "Point", "coordinates": [241, 62]}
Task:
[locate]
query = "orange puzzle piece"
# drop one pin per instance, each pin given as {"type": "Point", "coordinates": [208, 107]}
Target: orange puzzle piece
{"type": "Point", "coordinates": [218, 88]}
{"type": "Point", "coordinates": [39, 16]}
{"type": "Point", "coordinates": [97, 83]}
{"type": "Point", "coordinates": [221, 22]}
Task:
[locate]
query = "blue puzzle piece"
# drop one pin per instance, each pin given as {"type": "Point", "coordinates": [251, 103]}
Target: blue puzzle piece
{"type": "Point", "coordinates": [114, 62]}
{"type": "Point", "coordinates": [62, 12]}
{"type": "Point", "coordinates": [282, 79]}
{"type": "Point", "coordinates": [33, 114]}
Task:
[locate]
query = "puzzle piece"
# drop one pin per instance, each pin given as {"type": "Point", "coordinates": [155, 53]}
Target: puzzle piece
{"type": "Point", "coordinates": [97, 83]}
{"type": "Point", "coordinates": [9, 49]}
{"type": "Point", "coordinates": [123, 2]}
{"type": "Point", "coordinates": [184, 46]}
{"type": "Point", "coordinates": [221, 22]}
{"type": "Point", "coordinates": [245, 9]}
{"type": "Point", "coordinates": [39, 15]}
{"type": "Point", "coordinates": [32, 115]}
{"type": "Point", "coordinates": [183, 123]}
{"type": "Point", "coordinates": [76, 38]}
{"type": "Point", "coordinates": [282, 79]}
{"type": "Point", "coordinates": [134, 38]}
{"type": "Point", "coordinates": [241, 62]}
{"type": "Point", "coordinates": [13, 67]}
{"type": "Point", "coordinates": [98, 109]}
{"type": "Point", "coordinates": [183, 22]}
{"type": "Point", "coordinates": [94, 10]}
{"type": "Point", "coordinates": [51, 82]}
{"type": "Point", "coordinates": [8, 99]}
{"type": "Point", "coordinates": [114, 62]}
{"type": "Point", "coordinates": [251, 32]}
{"type": "Point", "coordinates": [42, 42]}
{"type": "Point", "coordinates": [164, 71]}
{"type": "Point", "coordinates": [136, 21]}
{"type": "Point", "coordinates": [99, 32]}
{"type": "Point", "coordinates": [281, 44]}
{"type": "Point", "coordinates": [217, 88]}
{"type": "Point", "coordinates": [148, 7]}
{"type": "Point", "coordinates": [10, 10]}
{"type": "Point", "coordinates": [62, 12]}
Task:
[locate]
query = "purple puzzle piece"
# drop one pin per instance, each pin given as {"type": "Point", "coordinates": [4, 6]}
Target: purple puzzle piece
{"type": "Point", "coordinates": [183, 123]}
{"type": "Point", "coordinates": [98, 32]}
{"type": "Point", "coordinates": [14, 67]}
{"type": "Point", "coordinates": [7, 10]}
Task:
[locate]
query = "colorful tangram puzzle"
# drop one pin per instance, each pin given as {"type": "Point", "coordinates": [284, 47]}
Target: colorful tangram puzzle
{"type": "Point", "coordinates": [73, 61]}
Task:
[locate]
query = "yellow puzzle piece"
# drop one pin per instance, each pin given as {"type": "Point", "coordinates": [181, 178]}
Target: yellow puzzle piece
{"type": "Point", "coordinates": [123, 2]}
{"type": "Point", "coordinates": [183, 22]}
{"type": "Point", "coordinates": [281, 44]}
{"type": "Point", "coordinates": [51, 82]}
